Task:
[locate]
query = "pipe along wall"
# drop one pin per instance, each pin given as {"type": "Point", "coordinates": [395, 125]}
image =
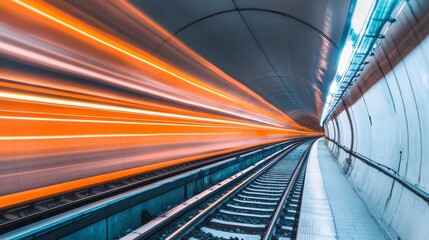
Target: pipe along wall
{"type": "Point", "coordinates": [379, 132]}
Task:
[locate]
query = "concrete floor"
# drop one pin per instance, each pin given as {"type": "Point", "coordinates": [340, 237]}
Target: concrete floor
{"type": "Point", "coordinates": [331, 208]}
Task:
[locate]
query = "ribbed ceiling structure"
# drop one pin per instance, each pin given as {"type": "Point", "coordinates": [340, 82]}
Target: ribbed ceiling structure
{"type": "Point", "coordinates": [286, 51]}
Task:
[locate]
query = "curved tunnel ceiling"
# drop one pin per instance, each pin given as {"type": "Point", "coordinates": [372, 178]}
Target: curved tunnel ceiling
{"type": "Point", "coordinates": [285, 51]}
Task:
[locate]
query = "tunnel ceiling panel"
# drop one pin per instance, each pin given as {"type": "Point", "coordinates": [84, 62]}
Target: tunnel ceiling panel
{"type": "Point", "coordinates": [284, 51]}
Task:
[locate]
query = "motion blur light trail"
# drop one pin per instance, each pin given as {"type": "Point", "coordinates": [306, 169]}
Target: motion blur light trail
{"type": "Point", "coordinates": [85, 99]}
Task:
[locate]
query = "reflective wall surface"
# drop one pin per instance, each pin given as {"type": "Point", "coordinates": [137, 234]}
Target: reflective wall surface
{"type": "Point", "coordinates": [384, 117]}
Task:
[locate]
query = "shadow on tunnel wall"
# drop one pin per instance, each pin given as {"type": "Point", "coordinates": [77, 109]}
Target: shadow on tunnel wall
{"type": "Point", "coordinates": [384, 117]}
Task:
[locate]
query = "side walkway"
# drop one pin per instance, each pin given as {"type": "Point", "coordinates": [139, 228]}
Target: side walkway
{"type": "Point", "coordinates": [330, 207]}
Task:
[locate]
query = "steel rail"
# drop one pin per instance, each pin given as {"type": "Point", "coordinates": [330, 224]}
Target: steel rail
{"type": "Point", "coordinates": [154, 230]}
{"type": "Point", "coordinates": [274, 219]}
{"type": "Point", "coordinates": [190, 225]}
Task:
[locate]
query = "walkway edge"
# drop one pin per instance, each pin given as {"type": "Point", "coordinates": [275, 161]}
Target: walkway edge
{"type": "Point", "coordinates": [316, 218]}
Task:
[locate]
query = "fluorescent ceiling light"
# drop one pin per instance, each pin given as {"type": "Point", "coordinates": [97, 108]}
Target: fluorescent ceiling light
{"type": "Point", "coordinates": [345, 57]}
{"type": "Point", "coordinates": [361, 13]}
{"type": "Point", "coordinates": [333, 87]}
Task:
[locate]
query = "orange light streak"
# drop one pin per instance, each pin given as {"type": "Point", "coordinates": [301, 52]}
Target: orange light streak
{"type": "Point", "coordinates": [83, 104]}
{"type": "Point", "coordinates": [33, 194]}
{"type": "Point", "coordinates": [87, 31]}
{"type": "Point", "coordinates": [30, 98]}
{"type": "Point", "coordinates": [117, 46]}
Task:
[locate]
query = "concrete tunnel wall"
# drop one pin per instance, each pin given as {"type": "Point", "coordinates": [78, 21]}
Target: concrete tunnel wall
{"type": "Point", "coordinates": [384, 116]}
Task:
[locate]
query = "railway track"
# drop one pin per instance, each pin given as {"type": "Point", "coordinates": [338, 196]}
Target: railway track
{"type": "Point", "coordinates": [284, 223]}
{"type": "Point", "coordinates": [18, 216]}
{"type": "Point", "coordinates": [265, 205]}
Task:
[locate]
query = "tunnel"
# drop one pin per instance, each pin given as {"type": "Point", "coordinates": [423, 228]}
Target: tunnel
{"type": "Point", "coordinates": [140, 119]}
